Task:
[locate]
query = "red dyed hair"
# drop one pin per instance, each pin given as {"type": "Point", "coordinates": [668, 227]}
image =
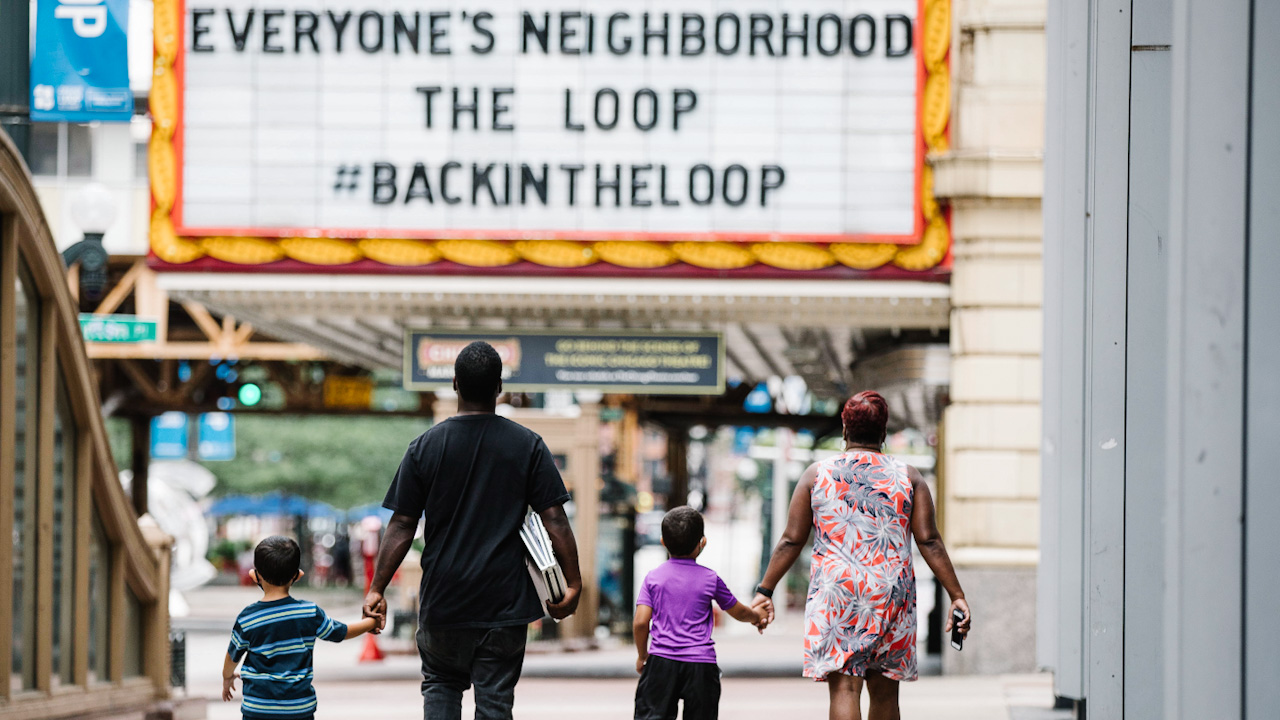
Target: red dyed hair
{"type": "Point", "coordinates": [866, 418]}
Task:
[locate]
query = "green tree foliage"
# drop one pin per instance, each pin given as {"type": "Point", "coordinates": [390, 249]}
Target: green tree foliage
{"type": "Point", "coordinates": [344, 461]}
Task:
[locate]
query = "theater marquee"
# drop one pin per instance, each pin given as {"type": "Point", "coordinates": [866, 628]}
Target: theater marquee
{"type": "Point", "coordinates": [487, 135]}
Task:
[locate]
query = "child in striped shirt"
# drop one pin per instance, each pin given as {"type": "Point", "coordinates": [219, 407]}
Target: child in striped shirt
{"type": "Point", "coordinates": [275, 636]}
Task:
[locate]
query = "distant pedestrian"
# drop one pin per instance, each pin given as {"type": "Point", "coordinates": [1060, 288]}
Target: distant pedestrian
{"type": "Point", "coordinates": [677, 657]}
{"type": "Point", "coordinates": [275, 637]}
{"type": "Point", "coordinates": [475, 476]}
{"type": "Point", "coordinates": [860, 614]}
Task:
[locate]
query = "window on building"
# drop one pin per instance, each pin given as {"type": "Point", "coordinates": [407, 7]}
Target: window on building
{"type": "Point", "coordinates": [64, 539]}
{"type": "Point", "coordinates": [27, 335]}
{"type": "Point", "coordinates": [99, 600]}
{"type": "Point", "coordinates": [133, 634]}
{"type": "Point", "coordinates": [60, 150]}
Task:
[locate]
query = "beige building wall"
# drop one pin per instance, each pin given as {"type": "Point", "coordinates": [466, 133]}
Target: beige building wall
{"type": "Point", "coordinates": [993, 179]}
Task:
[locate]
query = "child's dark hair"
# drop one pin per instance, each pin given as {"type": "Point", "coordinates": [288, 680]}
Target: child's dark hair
{"type": "Point", "coordinates": [682, 528]}
{"type": "Point", "coordinates": [277, 559]}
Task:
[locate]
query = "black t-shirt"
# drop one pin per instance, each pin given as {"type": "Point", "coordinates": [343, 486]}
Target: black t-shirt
{"type": "Point", "coordinates": [475, 476]}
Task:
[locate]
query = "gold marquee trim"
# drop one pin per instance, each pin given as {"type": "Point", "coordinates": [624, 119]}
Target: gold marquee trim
{"type": "Point", "coordinates": [935, 115]}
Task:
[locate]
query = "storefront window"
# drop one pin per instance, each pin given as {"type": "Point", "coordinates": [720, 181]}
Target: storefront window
{"type": "Point", "coordinates": [99, 600]}
{"type": "Point", "coordinates": [27, 336]}
{"type": "Point", "coordinates": [64, 534]}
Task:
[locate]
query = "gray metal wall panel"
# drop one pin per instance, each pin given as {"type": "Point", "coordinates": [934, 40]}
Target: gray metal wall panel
{"type": "Point", "coordinates": [1262, 531]}
{"type": "Point", "coordinates": [1145, 410]}
{"type": "Point", "coordinates": [1152, 23]}
{"type": "Point", "coordinates": [1202, 653]}
{"type": "Point", "coordinates": [1065, 216]}
{"type": "Point", "coordinates": [1104, 340]}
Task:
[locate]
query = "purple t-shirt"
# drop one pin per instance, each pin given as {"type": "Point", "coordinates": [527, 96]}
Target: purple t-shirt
{"type": "Point", "coordinates": [680, 592]}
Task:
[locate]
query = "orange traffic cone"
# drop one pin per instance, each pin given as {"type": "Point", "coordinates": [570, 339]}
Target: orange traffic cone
{"type": "Point", "coordinates": [371, 651]}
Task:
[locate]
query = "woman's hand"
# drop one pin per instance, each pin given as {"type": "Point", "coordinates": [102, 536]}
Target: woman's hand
{"type": "Point", "coordinates": [959, 604]}
{"type": "Point", "coordinates": [764, 607]}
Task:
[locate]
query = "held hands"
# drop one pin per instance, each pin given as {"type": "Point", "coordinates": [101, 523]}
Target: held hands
{"type": "Point", "coordinates": [375, 606]}
{"type": "Point", "coordinates": [763, 608]}
{"type": "Point", "coordinates": [962, 606]}
{"type": "Point", "coordinates": [229, 687]}
{"type": "Point", "coordinates": [567, 606]}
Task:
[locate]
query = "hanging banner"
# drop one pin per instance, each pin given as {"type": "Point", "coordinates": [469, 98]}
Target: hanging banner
{"type": "Point", "coordinates": [80, 67]}
{"type": "Point", "coordinates": [533, 360]}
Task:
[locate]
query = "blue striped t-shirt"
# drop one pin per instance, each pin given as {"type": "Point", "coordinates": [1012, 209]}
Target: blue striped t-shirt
{"type": "Point", "coordinates": [278, 637]}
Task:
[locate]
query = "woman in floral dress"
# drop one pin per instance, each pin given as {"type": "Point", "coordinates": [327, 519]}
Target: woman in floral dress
{"type": "Point", "coordinates": [860, 615]}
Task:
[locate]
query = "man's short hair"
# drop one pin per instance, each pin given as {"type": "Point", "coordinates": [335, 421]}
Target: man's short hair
{"type": "Point", "coordinates": [478, 370]}
{"type": "Point", "coordinates": [276, 559]}
{"type": "Point", "coordinates": [682, 529]}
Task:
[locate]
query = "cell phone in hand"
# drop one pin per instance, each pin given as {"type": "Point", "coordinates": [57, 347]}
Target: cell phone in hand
{"type": "Point", "coordinates": [957, 640]}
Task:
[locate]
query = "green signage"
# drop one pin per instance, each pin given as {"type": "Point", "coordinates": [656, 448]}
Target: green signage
{"type": "Point", "coordinates": [117, 328]}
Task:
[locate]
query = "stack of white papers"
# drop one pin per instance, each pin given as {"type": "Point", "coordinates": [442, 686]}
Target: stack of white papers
{"type": "Point", "coordinates": [548, 578]}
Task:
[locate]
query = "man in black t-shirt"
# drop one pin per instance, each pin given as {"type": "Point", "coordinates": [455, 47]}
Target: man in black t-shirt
{"type": "Point", "coordinates": [474, 476]}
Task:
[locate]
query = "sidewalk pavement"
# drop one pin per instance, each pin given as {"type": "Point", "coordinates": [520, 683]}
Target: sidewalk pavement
{"type": "Point", "coordinates": [762, 676]}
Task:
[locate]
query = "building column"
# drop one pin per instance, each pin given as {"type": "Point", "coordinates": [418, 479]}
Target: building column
{"type": "Point", "coordinates": [992, 177]}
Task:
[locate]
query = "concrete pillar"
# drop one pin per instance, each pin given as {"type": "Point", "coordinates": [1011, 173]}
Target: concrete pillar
{"type": "Point", "coordinates": [992, 178]}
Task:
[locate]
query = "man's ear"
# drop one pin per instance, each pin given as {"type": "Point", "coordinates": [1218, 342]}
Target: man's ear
{"type": "Point", "coordinates": [499, 390]}
{"type": "Point", "coordinates": [455, 384]}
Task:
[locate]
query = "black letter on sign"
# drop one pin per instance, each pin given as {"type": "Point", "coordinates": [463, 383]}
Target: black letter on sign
{"type": "Point", "coordinates": [664, 33]}
{"type": "Point", "coordinates": [652, 97]}
{"type": "Point", "coordinates": [567, 32]}
{"type": "Point", "coordinates": [662, 187]}
{"type": "Point", "coordinates": [527, 178]}
{"type": "Point", "coordinates": [637, 185]}
{"type": "Point", "coordinates": [531, 28]}
{"type": "Point", "coordinates": [728, 174]}
{"type": "Point", "coordinates": [419, 179]}
{"type": "Point", "coordinates": [384, 183]}
{"type": "Point", "coordinates": [198, 29]}
{"type": "Point", "coordinates": [624, 48]}
{"type": "Point", "coordinates": [572, 171]}
{"type": "Point", "coordinates": [483, 31]}
{"type": "Point", "coordinates": [242, 35]}
{"type": "Point", "coordinates": [270, 30]}
{"type": "Point", "coordinates": [339, 26]}
{"type": "Point", "coordinates": [365, 17]}
{"type": "Point", "coordinates": [686, 100]}
{"type": "Point", "coordinates": [692, 28]}
{"type": "Point", "coordinates": [889, 22]}
{"type": "Point", "coordinates": [479, 179]}
{"type": "Point", "coordinates": [499, 109]}
{"type": "Point", "coordinates": [870, 22]}
{"type": "Point", "coordinates": [461, 109]}
{"type": "Point", "coordinates": [838, 26]}
{"type": "Point", "coordinates": [802, 34]}
{"type": "Point", "coordinates": [721, 20]}
{"type": "Point", "coordinates": [305, 23]}
{"type": "Point", "coordinates": [711, 184]}
{"type": "Point", "coordinates": [400, 28]}
{"type": "Point", "coordinates": [428, 92]}
{"type": "Point", "coordinates": [569, 124]}
{"type": "Point", "coordinates": [771, 178]}
{"type": "Point", "coordinates": [436, 33]}
{"type": "Point", "coordinates": [444, 182]}
{"type": "Point", "coordinates": [600, 123]}
{"type": "Point", "coordinates": [615, 185]}
{"type": "Point", "coordinates": [762, 29]}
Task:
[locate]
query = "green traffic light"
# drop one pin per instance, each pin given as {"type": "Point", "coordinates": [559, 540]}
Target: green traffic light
{"type": "Point", "coordinates": [250, 394]}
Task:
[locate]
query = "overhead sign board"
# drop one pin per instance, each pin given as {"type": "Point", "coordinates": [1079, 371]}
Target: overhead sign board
{"type": "Point", "coordinates": [216, 436]}
{"type": "Point", "coordinates": [80, 68]}
{"type": "Point", "coordinates": [117, 328]}
{"type": "Point", "coordinates": [640, 363]}
{"type": "Point", "coordinates": [169, 436]}
{"type": "Point", "coordinates": [525, 120]}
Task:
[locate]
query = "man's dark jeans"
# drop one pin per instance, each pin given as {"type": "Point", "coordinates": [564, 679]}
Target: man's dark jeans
{"type": "Point", "coordinates": [453, 660]}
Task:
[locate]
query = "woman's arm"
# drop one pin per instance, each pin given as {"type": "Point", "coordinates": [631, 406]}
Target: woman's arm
{"type": "Point", "coordinates": [794, 537]}
{"type": "Point", "coordinates": [924, 526]}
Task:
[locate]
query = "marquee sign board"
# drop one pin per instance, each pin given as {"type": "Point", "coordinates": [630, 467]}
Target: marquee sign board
{"type": "Point", "coordinates": [524, 119]}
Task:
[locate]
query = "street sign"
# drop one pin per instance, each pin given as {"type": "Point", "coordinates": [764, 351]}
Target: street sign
{"type": "Point", "coordinates": [611, 361]}
{"type": "Point", "coordinates": [80, 67]}
{"type": "Point", "coordinates": [169, 436]}
{"type": "Point", "coordinates": [348, 392]}
{"type": "Point", "coordinates": [117, 328]}
{"type": "Point", "coordinates": [216, 436]}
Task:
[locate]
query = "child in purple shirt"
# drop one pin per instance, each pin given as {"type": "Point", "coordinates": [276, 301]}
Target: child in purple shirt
{"type": "Point", "coordinates": [677, 656]}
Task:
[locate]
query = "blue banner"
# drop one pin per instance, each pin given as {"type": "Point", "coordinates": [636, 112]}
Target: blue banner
{"type": "Point", "coordinates": [216, 436]}
{"type": "Point", "coordinates": [80, 68]}
{"type": "Point", "coordinates": [169, 436]}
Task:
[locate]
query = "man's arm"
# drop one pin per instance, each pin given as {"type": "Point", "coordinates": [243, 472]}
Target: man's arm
{"type": "Point", "coordinates": [395, 545]}
{"type": "Point", "coordinates": [566, 550]}
{"type": "Point", "coordinates": [640, 629]}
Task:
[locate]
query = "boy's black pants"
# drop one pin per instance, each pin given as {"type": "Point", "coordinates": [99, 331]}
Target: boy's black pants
{"type": "Point", "coordinates": [665, 682]}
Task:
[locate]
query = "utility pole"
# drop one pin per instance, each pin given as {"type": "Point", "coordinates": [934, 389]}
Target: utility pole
{"type": "Point", "coordinates": [15, 71]}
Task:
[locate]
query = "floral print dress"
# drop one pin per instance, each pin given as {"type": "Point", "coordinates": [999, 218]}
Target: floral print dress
{"type": "Point", "coordinates": [860, 615]}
